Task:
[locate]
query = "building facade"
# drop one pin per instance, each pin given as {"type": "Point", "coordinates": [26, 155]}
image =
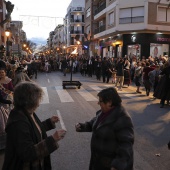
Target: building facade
{"type": "Point", "coordinates": [18, 37]}
{"type": "Point", "coordinates": [74, 22]}
{"type": "Point", "coordinates": [133, 27]}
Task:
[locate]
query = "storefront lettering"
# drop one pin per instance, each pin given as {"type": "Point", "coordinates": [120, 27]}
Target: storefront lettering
{"type": "Point", "coordinates": [163, 39]}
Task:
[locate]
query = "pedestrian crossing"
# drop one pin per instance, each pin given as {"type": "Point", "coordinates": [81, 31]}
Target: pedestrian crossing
{"type": "Point", "coordinates": [65, 96]}
{"type": "Point", "coordinates": [86, 95]}
{"type": "Point", "coordinates": [46, 97]}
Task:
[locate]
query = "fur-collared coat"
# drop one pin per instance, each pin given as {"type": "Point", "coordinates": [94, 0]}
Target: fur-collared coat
{"type": "Point", "coordinates": [26, 148]}
{"type": "Point", "coordinates": [112, 140]}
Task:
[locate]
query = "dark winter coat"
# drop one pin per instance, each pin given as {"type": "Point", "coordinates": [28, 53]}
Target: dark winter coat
{"type": "Point", "coordinates": [26, 148]}
{"type": "Point", "coordinates": [120, 68]}
{"type": "Point", "coordinates": [163, 87]}
{"type": "Point", "coordinates": [112, 141]}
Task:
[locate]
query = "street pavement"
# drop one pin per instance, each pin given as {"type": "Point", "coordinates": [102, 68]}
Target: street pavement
{"type": "Point", "coordinates": [74, 105]}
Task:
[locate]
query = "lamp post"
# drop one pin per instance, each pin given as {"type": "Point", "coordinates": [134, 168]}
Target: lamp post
{"type": "Point", "coordinates": [7, 33]}
{"type": "Point", "coordinates": [24, 45]}
{"type": "Point", "coordinates": [64, 47]}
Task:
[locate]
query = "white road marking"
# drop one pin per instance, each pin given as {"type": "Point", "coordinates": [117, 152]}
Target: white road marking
{"type": "Point", "coordinates": [86, 95]}
{"type": "Point", "coordinates": [63, 94]}
{"type": "Point", "coordinates": [126, 94]}
{"type": "Point", "coordinates": [96, 88]}
{"type": "Point", "coordinates": [45, 97]}
{"type": "Point", "coordinates": [61, 121]}
{"type": "Point", "coordinates": [48, 80]}
{"type": "Point", "coordinates": [129, 95]}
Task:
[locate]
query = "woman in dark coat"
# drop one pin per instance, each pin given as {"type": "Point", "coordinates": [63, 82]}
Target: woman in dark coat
{"type": "Point", "coordinates": [163, 88]}
{"type": "Point", "coordinates": [112, 134]}
{"type": "Point", "coordinates": [27, 145]}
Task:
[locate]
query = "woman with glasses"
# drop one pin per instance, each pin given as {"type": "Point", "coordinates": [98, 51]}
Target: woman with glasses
{"type": "Point", "coordinates": [112, 134]}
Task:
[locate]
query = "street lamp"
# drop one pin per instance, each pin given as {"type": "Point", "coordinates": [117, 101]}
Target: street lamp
{"type": "Point", "coordinates": [24, 45]}
{"type": "Point", "coordinates": [78, 42]}
{"type": "Point", "coordinates": [64, 47]}
{"type": "Point", "coordinates": [7, 33]}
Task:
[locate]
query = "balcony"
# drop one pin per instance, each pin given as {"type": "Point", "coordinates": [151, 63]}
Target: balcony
{"type": "Point", "coordinates": [139, 19]}
{"type": "Point", "coordinates": [76, 32]}
{"type": "Point", "coordinates": [77, 21]}
{"type": "Point", "coordinates": [100, 8]}
{"type": "Point", "coordinates": [100, 29]}
{"type": "Point", "coordinates": [76, 10]}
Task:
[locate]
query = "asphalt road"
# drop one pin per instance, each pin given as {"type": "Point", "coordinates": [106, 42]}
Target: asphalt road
{"type": "Point", "coordinates": [78, 105]}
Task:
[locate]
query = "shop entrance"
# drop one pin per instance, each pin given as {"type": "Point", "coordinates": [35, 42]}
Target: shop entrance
{"type": "Point", "coordinates": [134, 50]}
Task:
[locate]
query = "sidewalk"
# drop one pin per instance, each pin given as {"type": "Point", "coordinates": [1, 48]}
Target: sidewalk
{"type": "Point", "coordinates": [133, 87]}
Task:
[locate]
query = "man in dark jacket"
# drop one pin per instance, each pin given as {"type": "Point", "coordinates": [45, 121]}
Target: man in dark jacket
{"type": "Point", "coordinates": [64, 66]}
{"type": "Point", "coordinates": [120, 73]}
{"type": "Point", "coordinates": [112, 134]}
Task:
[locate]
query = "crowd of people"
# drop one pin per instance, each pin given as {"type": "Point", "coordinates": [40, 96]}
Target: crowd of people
{"type": "Point", "coordinates": [20, 96]}
{"type": "Point", "coordinates": [148, 72]}
{"type": "Point", "coordinates": [151, 73]}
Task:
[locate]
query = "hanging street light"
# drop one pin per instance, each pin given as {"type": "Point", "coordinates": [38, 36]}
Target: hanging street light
{"type": "Point", "coordinates": [7, 33]}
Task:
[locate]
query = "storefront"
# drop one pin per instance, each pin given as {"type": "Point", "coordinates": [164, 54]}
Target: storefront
{"type": "Point", "coordinates": [146, 44]}
{"type": "Point", "coordinates": [111, 47]}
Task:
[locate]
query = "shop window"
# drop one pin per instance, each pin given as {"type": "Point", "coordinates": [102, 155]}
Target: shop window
{"type": "Point", "coordinates": [157, 50]}
{"type": "Point", "coordinates": [134, 50]}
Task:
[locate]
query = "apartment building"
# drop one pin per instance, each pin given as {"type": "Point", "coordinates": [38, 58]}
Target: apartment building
{"type": "Point", "coordinates": [133, 27]}
{"type": "Point", "coordinates": [58, 41]}
{"type": "Point", "coordinates": [74, 23]}
{"type": "Point", "coordinates": [89, 41]}
{"type": "Point", "coordinates": [18, 37]}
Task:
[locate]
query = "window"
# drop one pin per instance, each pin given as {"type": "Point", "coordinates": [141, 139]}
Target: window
{"type": "Point", "coordinates": [111, 18]}
{"type": "Point", "coordinates": [131, 15]}
{"type": "Point", "coordinates": [101, 23]}
{"type": "Point", "coordinates": [88, 12]}
{"type": "Point", "coordinates": [88, 29]}
{"type": "Point", "coordinates": [163, 14]}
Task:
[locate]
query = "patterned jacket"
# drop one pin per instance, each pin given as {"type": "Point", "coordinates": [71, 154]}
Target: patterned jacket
{"type": "Point", "coordinates": [26, 148]}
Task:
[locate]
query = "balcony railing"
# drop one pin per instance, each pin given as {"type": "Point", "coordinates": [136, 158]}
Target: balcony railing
{"type": "Point", "coordinates": [77, 32]}
{"type": "Point", "coordinates": [128, 20]}
{"type": "Point", "coordinates": [75, 9]}
{"type": "Point", "coordinates": [100, 29]}
{"type": "Point", "coordinates": [76, 20]}
{"type": "Point", "coordinates": [100, 8]}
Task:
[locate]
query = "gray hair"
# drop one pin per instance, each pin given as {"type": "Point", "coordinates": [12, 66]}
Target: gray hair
{"type": "Point", "coordinates": [27, 96]}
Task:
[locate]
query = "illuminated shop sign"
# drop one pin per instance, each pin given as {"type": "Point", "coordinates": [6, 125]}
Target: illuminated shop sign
{"type": "Point", "coordinates": [133, 38]}
{"type": "Point", "coordinates": [163, 39]}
